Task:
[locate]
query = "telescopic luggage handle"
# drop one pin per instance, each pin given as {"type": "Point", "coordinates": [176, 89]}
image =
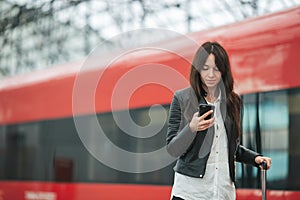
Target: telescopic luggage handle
{"type": "Point", "coordinates": [263, 180]}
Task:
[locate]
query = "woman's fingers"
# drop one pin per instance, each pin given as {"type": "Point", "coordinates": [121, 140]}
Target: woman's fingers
{"type": "Point", "coordinates": [205, 124]}
{"type": "Point", "coordinates": [260, 159]}
{"type": "Point", "coordinates": [199, 123]}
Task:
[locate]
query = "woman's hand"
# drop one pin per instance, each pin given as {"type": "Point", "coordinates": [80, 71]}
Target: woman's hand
{"type": "Point", "coordinates": [199, 123]}
{"type": "Point", "coordinates": [260, 159]}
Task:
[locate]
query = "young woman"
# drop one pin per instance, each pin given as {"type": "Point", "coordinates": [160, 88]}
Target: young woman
{"type": "Point", "coordinates": [207, 148]}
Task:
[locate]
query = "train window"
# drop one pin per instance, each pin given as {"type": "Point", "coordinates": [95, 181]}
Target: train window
{"type": "Point", "coordinates": [20, 145]}
{"type": "Point", "coordinates": [51, 150]}
{"type": "Point", "coordinates": [129, 126]}
{"type": "Point", "coordinates": [293, 182]}
{"type": "Point", "coordinates": [2, 150]}
{"type": "Point", "coordinates": [270, 127]}
{"type": "Point", "coordinates": [274, 122]}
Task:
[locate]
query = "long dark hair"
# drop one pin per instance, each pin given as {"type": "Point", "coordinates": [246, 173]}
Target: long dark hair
{"type": "Point", "coordinates": [233, 101]}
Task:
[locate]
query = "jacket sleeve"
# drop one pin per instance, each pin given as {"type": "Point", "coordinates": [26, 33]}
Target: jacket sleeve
{"type": "Point", "coordinates": [178, 139]}
{"type": "Point", "coordinates": [246, 156]}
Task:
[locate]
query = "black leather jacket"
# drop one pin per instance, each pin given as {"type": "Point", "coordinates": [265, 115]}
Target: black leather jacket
{"type": "Point", "coordinates": [185, 145]}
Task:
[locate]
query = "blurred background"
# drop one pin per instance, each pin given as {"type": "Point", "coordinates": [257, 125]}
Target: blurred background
{"type": "Point", "coordinates": [42, 155]}
{"type": "Point", "coordinates": [37, 34]}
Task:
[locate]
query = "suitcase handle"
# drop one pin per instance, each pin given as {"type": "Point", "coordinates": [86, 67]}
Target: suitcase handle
{"type": "Point", "coordinates": [263, 180]}
{"type": "Point", "coordinates": [264, 165]}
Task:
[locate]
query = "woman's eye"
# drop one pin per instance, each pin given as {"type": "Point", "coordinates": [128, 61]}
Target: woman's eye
{"type": "Point", "coordinates": [216, 69]}
{"type": "Point", "coordinates": [204, 68]}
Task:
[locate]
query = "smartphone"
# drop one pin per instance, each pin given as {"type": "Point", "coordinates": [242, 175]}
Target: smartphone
{"type": "Point", "coordinates": [203, 108]}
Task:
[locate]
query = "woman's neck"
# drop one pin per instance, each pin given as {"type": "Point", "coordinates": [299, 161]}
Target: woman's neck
{"type": "Point", "coordinates": [212, 95]}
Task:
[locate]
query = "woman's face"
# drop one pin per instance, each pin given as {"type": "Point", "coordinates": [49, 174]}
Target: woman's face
{"type": "Point", "coordinates": [210, 74]}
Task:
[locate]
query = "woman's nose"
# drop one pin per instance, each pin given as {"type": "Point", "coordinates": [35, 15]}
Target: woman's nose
{"type": "Point", "coordinates": [211, 72]}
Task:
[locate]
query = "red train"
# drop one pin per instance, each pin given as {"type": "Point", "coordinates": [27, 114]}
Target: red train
{"type": "Point", "coordinates": [51, 120]}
